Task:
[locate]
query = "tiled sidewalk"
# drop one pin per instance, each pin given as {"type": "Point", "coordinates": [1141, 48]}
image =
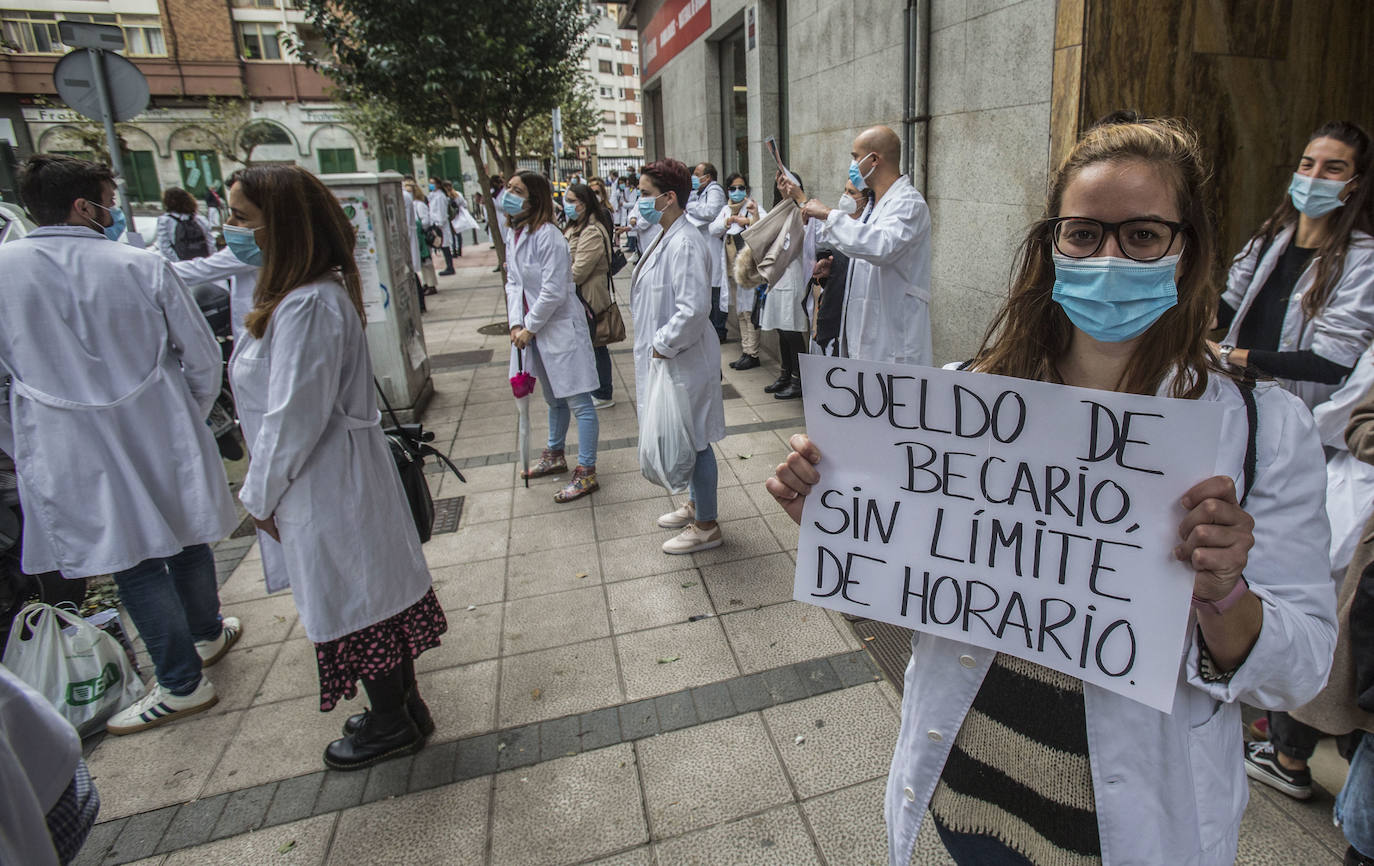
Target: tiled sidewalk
{"type": "Point", "coordinates": [597, 701]}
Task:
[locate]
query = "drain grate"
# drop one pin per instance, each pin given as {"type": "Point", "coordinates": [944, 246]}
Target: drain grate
{"type": "Point", "coordinates": [495, 329]}
{"type": "Point", "coordinates": [447, 513]}
{"type": "Point", "coordinates": [890, 646]}
{"type": "Point", "coordinates": [449, 360]}
{"type": "Point", "coordinates": [245, 529]}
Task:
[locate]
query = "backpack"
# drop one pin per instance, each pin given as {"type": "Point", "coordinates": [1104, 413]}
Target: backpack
{"type": "Point", "coordinates": [452, 209]}
{"type": "Point", "coordinates": [188, 241]}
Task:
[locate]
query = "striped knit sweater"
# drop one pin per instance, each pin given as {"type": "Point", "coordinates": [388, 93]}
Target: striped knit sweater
{"type": "Point", "coordinates": [1019, 768]}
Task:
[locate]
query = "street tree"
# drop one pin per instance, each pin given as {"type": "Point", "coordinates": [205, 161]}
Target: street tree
{"type": "Point", "coordinates": [469, 69]}
{"type": "Point", "coordinates": [581, 122]}
{"type": "Point", "coordinates": [385, 128]}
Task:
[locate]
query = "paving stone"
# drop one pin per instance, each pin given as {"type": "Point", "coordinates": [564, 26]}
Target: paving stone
{"type": "Point", "coordinates": [560, 737]}
{"type": "Point", "coordinates": [854, 668]}
{"type": "Point", "coordinates": [750, 693]}
{"type": "Point", "coordinates": [521, 747]}
{"type": "Point", "coordinates": [193, 824]}
{"type": "Point", "coordinates": [639, 719]}
{"type": "Point", "coordinates": [600, 728]}
{"type": "Point", "coordinates": [341, 790]}
{"type": "Point", "coordinates": [818, 676]}
{"type": "Point", "coordinates": [848, 737]}
{"type": "Point", "coordinates": [294, 800]}
{"type": "Point", "coordinates": [438, 827]}
{"type": "Point", "coordinates": [713, 702]}
{"type": "Point", "coordinates": [784, 685]}
{"type": "Point", "coordinates": [388, 779]}
{"type": "Point", "coordinates": [476, 757]}
{"type": "Point", "coordinates": [98, 841]}
{"type": "Point", "coordinates": [244, 811]}
{"type": "Point", "coordinates": [676, 711]}
{"type": "Point", "coordinates": [433, 766]}
{"type": "Point", "coordinates": [775, 838]}
{"type": "Point", "coordinates": [141, 834]}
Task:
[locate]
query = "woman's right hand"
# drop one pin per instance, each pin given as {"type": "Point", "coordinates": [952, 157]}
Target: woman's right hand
{"type": "Point", "coordinates": [795, 476]}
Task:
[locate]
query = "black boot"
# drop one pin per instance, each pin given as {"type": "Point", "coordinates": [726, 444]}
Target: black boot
{"type": "Point", "coordinates": [380, 736]}
{"type": "Point", "coordinates": [781, 382]}
{"type": "Point", "coordinates": [415, 705]}
{"type": "Point", "coordinates": [734, 365]}
{"type": "Point", "coordinates": [1355, 858]}
{"type": "Point", "coordinates": [747, 362]}
{"type": "Point", "coordinates": [792, 391]}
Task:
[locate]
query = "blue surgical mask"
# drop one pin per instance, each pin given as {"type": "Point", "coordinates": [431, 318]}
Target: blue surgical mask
{"type": "Point", "coordinates": [696, 183]}
{"type": "Point", "coordinates": [1114, 299]}
{"type": "Point", "coordinates": [433, 188]}
{"type": "Point", "coordinates": [512, 204]}
{"type": "Point", "coordinates": [243, 243]}
{"type": "Point", "coordinates": [570, 211]}
{"type": "Point", "coordinates": [858, 178]}
{"type": "Point", "coordinates": [648, 212]}
{"type": "Point", "coordinates": [1315, 197]}
{"type": "Point", "coordinates": [738, 195]}
{"type": "Point", "coordinates": [118, 222]}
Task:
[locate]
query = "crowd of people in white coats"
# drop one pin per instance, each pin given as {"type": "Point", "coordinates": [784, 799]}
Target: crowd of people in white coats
{"type": "Point", "coordinates": [1112, 289]}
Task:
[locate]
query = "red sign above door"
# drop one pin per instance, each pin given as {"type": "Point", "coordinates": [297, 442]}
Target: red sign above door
{"type": "Point", "coordinates": [676, 25]}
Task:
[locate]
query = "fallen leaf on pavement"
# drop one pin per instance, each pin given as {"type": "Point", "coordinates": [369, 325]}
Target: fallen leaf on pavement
{"type": "Point", "coordinates": [689, 584]}
{"type": "Point", "coordinates": [472, 607]}
{"type": "Point", "coordinates": [667, 660]}
{"type": "Point", "coordinates": [536, 694]}
{"type": "Point", "coordinates": [581, 574]}
{"type": "Point", "coordinates": [745, 456]}
{"type": "Point", "coordinates": [286, 847]}
{"type": "Point", "coordinates": [870, 637]}
{"type": "Point", "coordinates": [799, 740]}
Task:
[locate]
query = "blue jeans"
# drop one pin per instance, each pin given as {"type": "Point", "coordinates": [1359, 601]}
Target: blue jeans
{"type": "Point", "coordinates": [702, 489]}
{"type": "Point", "coordinates": [1355, 803]}
{"type": "Point", "coordinates": [971, 849]}
{"type": "Point", "coordinates": [603, 373]}
{"type": "Point", "coordinates": [174, 602]}
{"type": "Point", "coordinates": [561, 410]}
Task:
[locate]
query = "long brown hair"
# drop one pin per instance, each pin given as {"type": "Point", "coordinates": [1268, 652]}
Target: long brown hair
{"type": "Point", "coordinates": [305, 236]}
{"type": "Point", "coordinates": [1356, 214]}
{"type": "Point", "coordinates": [538, 205]}
{"type": "Point", "coordinates": [1032, 333]}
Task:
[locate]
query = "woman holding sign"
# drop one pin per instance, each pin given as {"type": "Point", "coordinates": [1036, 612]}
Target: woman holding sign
{"type": "Point", "coordinates": [1018, 763]}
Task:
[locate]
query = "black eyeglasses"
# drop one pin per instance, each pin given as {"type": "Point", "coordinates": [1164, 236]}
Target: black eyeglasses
{"type": "Point", "coordinates": [1142, 240]}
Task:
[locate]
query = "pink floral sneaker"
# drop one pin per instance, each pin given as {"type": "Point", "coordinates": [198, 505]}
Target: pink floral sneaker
{"type": "Point", "coordinates": [583, 482]}
{"type": "Point", "coordinates": [550, 463]}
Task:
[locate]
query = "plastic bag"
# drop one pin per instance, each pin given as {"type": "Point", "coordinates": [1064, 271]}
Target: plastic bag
{"type": "Point", "coordinates": [666, 454]}
{"type": "Point", "coordinates": [81, 670]}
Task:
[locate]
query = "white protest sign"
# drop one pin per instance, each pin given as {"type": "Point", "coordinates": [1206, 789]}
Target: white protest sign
{"type": "Point", "coordinates": [1038, 520]}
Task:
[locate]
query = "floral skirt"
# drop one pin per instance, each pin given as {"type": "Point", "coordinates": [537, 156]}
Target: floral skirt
{"type": "Point", "coordinates": [377, 650]}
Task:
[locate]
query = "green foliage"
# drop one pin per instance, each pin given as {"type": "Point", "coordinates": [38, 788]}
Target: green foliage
{"type": "Point", "coordinates": [581, 122]}
{"type": "Point", "coordinates": [385, 128]}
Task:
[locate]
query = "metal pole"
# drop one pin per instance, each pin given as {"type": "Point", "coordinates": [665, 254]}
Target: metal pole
{"type": "Point", "coordinates": [111, 140]}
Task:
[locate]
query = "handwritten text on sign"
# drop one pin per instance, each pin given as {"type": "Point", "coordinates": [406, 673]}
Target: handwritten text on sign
{"type": "Point", "coordinates": [1035, 519]}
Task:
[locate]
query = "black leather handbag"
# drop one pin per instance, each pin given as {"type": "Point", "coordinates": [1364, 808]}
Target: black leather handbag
{"type": "Point", "coordinates": [409, 448]}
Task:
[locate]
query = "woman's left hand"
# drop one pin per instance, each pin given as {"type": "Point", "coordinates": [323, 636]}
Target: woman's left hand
{"type": "Point", "coordinates": [1217, 536]}
{"type": "Point", "coordinates": [269, 526]}
{"type": "Point", "coordinates": [522, 338]}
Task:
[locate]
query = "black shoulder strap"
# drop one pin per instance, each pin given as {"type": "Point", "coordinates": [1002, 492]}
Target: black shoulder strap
{"type": "Point", "coordinates": [395, 422]}
{"type": "Point", "coordinates": [1247, 393]}
{"type": "Point", "coordinates": [964, 366]}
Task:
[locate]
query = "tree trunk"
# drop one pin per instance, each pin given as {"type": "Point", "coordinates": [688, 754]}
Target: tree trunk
{"type": "Point", "coordinates": [493, 220]}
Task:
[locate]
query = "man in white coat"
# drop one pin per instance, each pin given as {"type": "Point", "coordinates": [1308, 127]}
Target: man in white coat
{"type": "Point", "coordinates": [887, 303]}
{"type": "Point", "coordinates": [108, 371]}
{"type": "Point", "coordinates": [703, 206]}
{"type": "Point", "coordinates": [438, 215]}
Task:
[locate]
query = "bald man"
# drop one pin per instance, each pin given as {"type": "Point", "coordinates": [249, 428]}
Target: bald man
{"type": "Point", "coordinates": [886, 313]}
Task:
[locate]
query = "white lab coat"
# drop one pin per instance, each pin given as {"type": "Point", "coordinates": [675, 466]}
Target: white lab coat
{"type": "Point", "coordinates": [670, 302]}
{"type": "Point", "coordinates": [702, 207]}
{"type": "Point", "coordinates": [1340, 332]}
{"type": "Point", "coordinates": [1349, 482]}
{"type": "Point", "coordinates": [887, 302]}
{"type": "Point", "coordinates": [541, 297]}
{"type": "Point", "coordinates": [744, 295]}
{"type": "Point", "coordinates": [644, 231]}
{"type": "Point", "coordinates": [114, 373]}
{"type": "Point", "coordinates": [408, 208]}
{"type": "Point", "coordinates": [319, 462]}
{"type": "Point", "coordinates": [1169, 788]}
{"type": "Point", "coordinates": [438, 214]}
{"type": "Point", "coordinates": [167, 232]}
{"type": "Point", "coordinates": [38, 754]}
{"type": "Point", "coordinates": [784, 304]}
{"type": "Point", "coordinates": [224, 268]}
{"type": "Point", "coordinates": [629, 204]}
{"type": "Point", "coordinates": [617, 203]}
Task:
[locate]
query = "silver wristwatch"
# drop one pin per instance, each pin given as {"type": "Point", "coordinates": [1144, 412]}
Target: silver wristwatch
{"type": "Point", "coordinates": [1226, 354]}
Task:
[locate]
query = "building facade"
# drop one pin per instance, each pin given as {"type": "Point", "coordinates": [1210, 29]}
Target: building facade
{"type": "Point", "coordinates": [988, 96]}
{"type": "Point", "coordinates": [225, 89]}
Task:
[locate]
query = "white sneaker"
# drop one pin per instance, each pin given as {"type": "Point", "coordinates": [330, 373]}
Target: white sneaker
{"type": "Point", "coordinates": [680, 518]}
{"type": "Point", "coordinates": [211, 651]}
{"type": "Point", "coordinates": [598, 403]}
{"type": "Point", "coordinates": [694, 539]}
{"type": "Point", "coordinates": [159, 706]}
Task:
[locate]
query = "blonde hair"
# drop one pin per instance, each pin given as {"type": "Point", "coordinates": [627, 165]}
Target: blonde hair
{"type": "Point", "coordinates": [1031, 333]}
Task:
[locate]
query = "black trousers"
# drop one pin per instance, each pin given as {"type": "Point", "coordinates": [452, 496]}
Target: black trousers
{"type": "Point", "coordinates": [448, 258]}
{"type": "Point", "coordinates": [718, 316]}
{"type": "Point", "coordinates": [791, 344]}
